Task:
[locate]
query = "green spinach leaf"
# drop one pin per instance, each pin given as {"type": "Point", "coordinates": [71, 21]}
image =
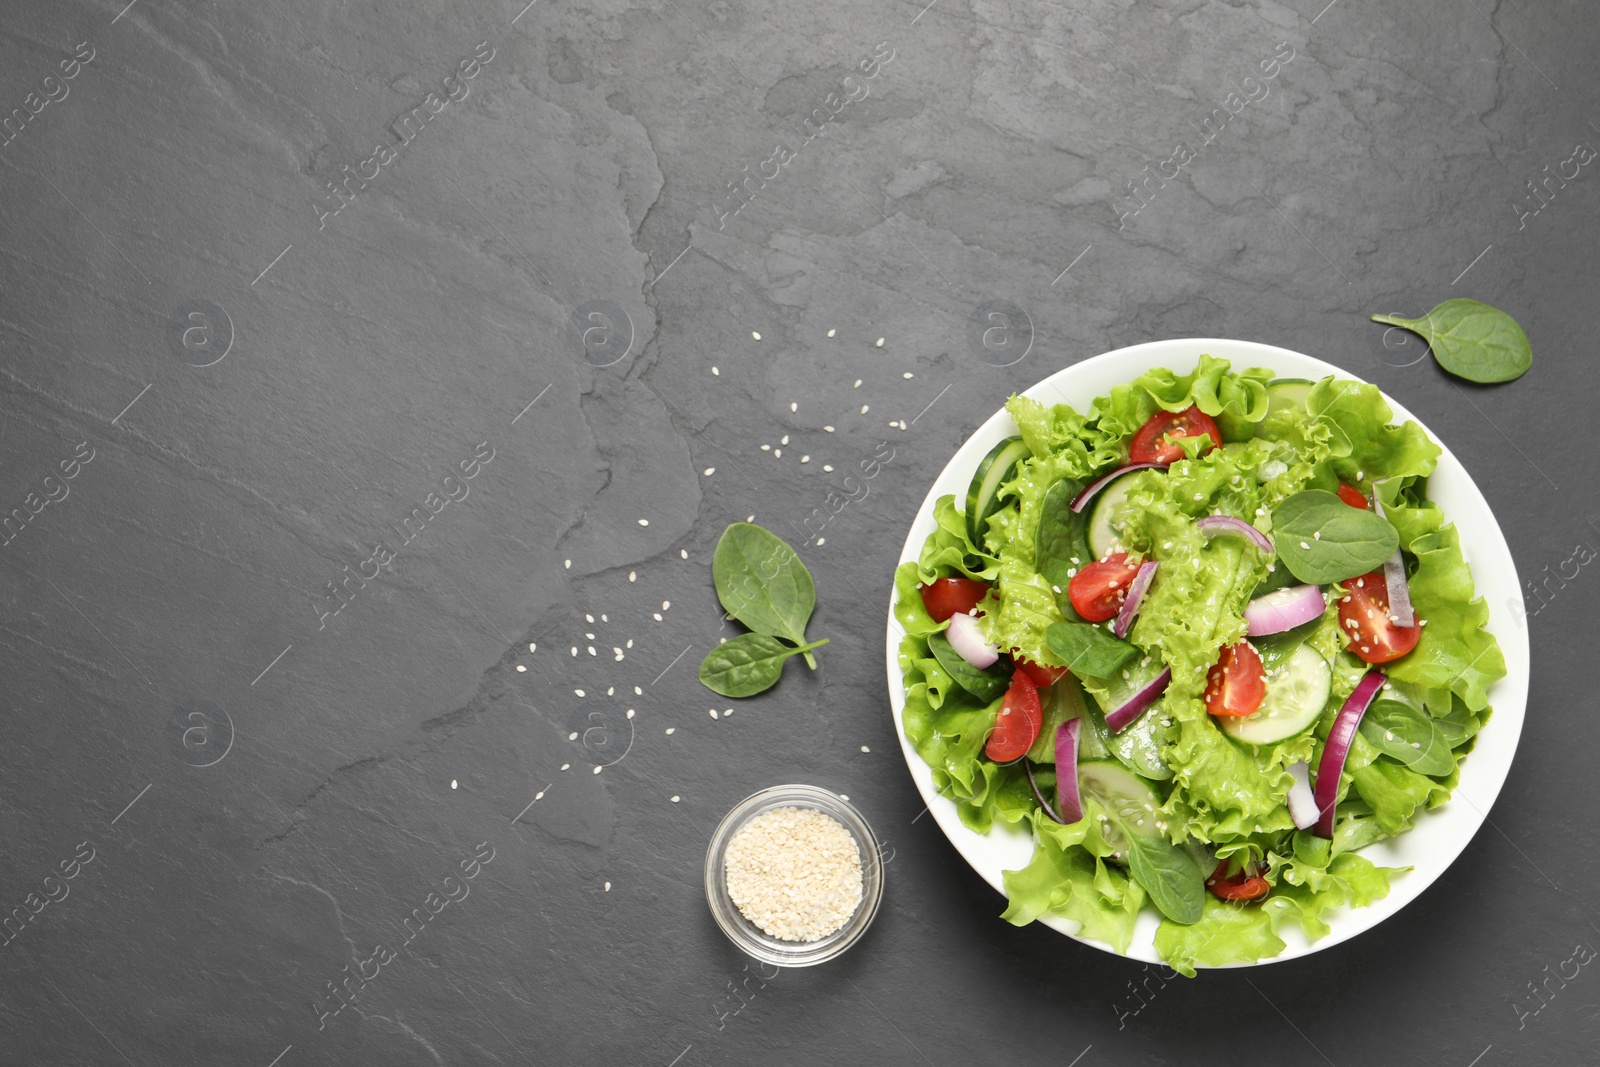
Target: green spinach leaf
{"type": "Point", "coordinates": [1062, 544]}
{"type": "Point", "coordinates": [1322, 539]}
{"type": "Point", "coordinates": [1472, 340]}
{"type": "Point", "coordinates": [1088, 649]}
{"type": "Point", "coordinates": [1169, 875]}
{"type": "Point", "coordinates": [762, 583]}
{"type": "Point", "coordinates": [748, 664]}
{"type": "Point", "coordinates": [1408, 735]}
{"type": "Point", "coordinates": [986, 684]}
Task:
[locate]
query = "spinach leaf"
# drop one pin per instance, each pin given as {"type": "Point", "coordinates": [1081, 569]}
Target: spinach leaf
{"type": "Point", "coordinates": [1169, 875]}
{"type": "Point", "coordinates": [1472, 340]}
{"type": "Point", "coordinates": [1088, 649]}
{"type": "Point", "coordinates": [1322, 539]}
{"type": "Point", "coordinates": [1459, 726]}
{"type": "Point", "coordinates": [762, 583]}
{"type": "Point", "coordinates": [985, 684]}
{"type": "Point", "coordinates": [748, 664]}
{"type": "Point", "coordinates": [1409, 735]}
{"type": "Point", "coordinates": [1061, 540]}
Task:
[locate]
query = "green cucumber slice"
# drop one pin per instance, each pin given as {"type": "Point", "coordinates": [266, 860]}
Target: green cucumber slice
{"type": "Point", "coordinates": [1284, 393]}
{"type": "Point", "coordinates": [1296, 696]}
{"type": "Point", "coordinates": [1105, 514]}
{"type": "Point", "coordinates": [983, 495]}
{"type": "Point", "coordinates": [1127, 799]}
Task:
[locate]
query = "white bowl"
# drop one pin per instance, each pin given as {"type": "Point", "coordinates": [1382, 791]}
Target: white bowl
{"type": "Point", "coordinates": [1438, 836]}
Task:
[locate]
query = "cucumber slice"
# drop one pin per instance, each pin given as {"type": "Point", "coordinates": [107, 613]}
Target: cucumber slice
{"type": "Point", "coordinates": [1105, 515]}
{"type": "Point", "coordinates": [997, 468]}
{"type": "Point", "coordinates": [1284, 393]}
{"type": "Point", "coordinates": [1063, 701]}
{"type": "Point", "coordinates": [1127, 799]}
{"type": "Point", "coordinates": [1296, 697]}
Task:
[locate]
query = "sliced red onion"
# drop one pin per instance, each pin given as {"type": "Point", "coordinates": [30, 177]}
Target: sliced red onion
{"type": "Point", "coordinates": [1302, 804]}
{"type": "Point", "coordinates": [967, 640]}
{"type": "Point", "coordinates": [1121, 718]}
{"type": "Point", "coordinates": [1212, 525]}
{"type": "Point", "coordinates": [1067, 799]}
{"type": "Point", "coordinates": [1283, 609]}
{"type": "Point", "coordinates": [1394, 576]}
{"type": "Point", "coordinates": [1038, 794]}
{"type": "Point", "coordinates": [1337, 747]}
{"type": "Point", "coordinates": [1136, 591]}
{"type": "Point", "coordinates": [1098, 484]}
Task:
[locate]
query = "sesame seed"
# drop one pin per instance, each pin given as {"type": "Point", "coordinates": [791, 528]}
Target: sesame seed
{"type": "Point", "coordinates": [521, 669]}
{"type": "Point", "coordinates": [784, 440]}
{"type": "Point", "coordinates": [795, 873]}
{"type": "Point", "coordinates": [644, 522]}
{"type": "Point", "coordinates": [755, 335]}
{"type": "Point", "coordinates": [827, 429]}
{"type": "Point", "coordinates": [879, 343]}
{"type": "Point", "coordinates": [865, 408]}
{"type": "Point", "coordinates": [857, 385]}
{"type": "Point", "coordinates": [710, 471]}
{"type": "Point", "coordinates": [1304, 545]}
{"type": "Point", "coordinates": [794, 405]}
{"type": "Point", "coordinates": [831, 333]}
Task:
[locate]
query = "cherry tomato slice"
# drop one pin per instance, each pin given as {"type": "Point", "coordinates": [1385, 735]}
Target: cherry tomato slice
{"type": "Point", "coordinates": [1042, 676]}
{"type": "Point", "coordinates": [1245, 885]}
{"type": "Point", "coordinates": [1352, 496]}
{"type": "Point", "coordinates": [945, 597]}
{"type": "Point", "coordinates": [1017, 726]}
{"type": "Point", "coordinates": [1237, 685]}
{"type": "Point", "coordinates": [1098, 590]}
{"type": "Point", "coordinates": [1148, 446]}
{"type": "Point", "coordinates": [1364, 619]}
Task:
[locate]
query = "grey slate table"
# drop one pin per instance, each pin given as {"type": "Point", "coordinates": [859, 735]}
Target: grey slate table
{"type": "Point", "coordinates": [402, 359]}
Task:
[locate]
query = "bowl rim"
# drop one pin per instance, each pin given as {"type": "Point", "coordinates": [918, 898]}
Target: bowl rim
{"type": "Point", "coordinates": [1438, 837]}
{"type": "Point", "coordinates": [758, 944]}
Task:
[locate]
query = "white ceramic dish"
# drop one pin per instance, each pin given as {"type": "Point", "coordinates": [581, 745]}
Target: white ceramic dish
{"type": "Point", "coordinates": [1438, 836]}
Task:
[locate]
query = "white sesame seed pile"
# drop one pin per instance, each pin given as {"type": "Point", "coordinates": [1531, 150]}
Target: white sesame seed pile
{"type": "Point", "coordinates": [795, 873]}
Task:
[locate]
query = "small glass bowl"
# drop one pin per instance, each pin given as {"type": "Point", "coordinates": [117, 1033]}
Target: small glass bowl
{"type": "Point", "coordinates": [753, 940]}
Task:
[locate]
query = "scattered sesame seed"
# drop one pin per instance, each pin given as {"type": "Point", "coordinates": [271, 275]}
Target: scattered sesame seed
{"type": "Point", "coordinates": [564, 766]}
{"type": "Point", "coordinates": [794, 405]}
{"type": "Point", "coordinates": [716, 372]}
{"type": "Point", "coordinates": [821, 541]}
{"type": "Point", "coordinates": [766, 448]}
{"type": "Point", "coordinates": [672, 730]}
{"type": "Point", "coordinates": [521, 669]}
{"type": "Point", "coordinates": [532, 647]}
{"type": "Point", "coordinates": [683, 553]}
{"type": "Point", "coordinates": [864, 748]}
{"type": "Point", "coordinates": [827, 429]}
{"type": "Point", "coordinates": [828, 467]}
{"type": "Point", "coordinates": [608, 884]}
{"type": "Point", "coordinates": [831, 333]}
{"type": "Point", "coordinates": [1303, 544]}
{"type": "Point", "coordinates": [674, 796]}
{"type": "Point", "coordinates": [755, 335]}
{"type": "Point", "coordinates": [591, 650]}
{"type": "Point", "coordinates": [865, 408]}
{"type": "Point", "coordinates": [710, 471]}
{"type": "Point", "coordinates": [569, 564]}
{"type": "Point", "coordinates": [452, 783]}
{"type": "Point", "coordinates": [658, 616]}
{"type": "Point", "coordinates": [785, 440]}
{"type": "Point", "coordinates": [879, 343]}
{"type": "Point", "coordinates": [598, 768]}
{"type": "Point", "coordinates": [1316, 535]}
{"type": "Point", "coordinates": [712, 712]}
{"type": "Point", "coordinates": [907, 374]}
{"type": "Point", "coordinates": [857, 385]}
{"type": "Point", "coordinates": [777, 453]}
{"type": "Point", "coordinates": [805, 459]}
{"type": "Point", "coordinates": [644, 522]}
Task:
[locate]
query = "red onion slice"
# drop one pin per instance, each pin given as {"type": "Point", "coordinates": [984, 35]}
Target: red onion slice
{"type": "Point", "coordinates": [1067, 799]}
{"type": "Point", "coordinates": [1038, 794]}
{"type": "Point", "coordinates": [1394, 576]}
{"type": "Point", "coordinates": [1337, 747]}
{"type": "Point", "coordinates": [1136, 591]}
{"type": "Point", "coordinates": [968, 641]}
{"type": "Point", "coordinates": [1212, 525]}
{"type": "Point", "coordinates": [1302, 804]}
{"type": "Point", "coordinates": [1098, 484]}
{"type": "Point", "coordinates": [1121, 718]}
{"type": "Point", "coordinates": [1283, 609]}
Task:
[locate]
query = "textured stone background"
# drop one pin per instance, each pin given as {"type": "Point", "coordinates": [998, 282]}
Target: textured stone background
{"type": "Point", "coordinates": [352, 761]}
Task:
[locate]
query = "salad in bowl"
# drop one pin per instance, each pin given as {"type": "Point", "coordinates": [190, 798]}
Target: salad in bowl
{"type": "Point", "coordinates": [1206, 642]}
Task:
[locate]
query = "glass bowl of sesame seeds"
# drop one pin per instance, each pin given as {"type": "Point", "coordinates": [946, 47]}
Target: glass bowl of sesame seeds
{"type": "Point", "coordinates": [794, 875]}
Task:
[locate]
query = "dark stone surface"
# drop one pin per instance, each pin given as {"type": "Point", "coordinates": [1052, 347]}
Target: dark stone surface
{"type": "Point", "coordinates": [300, 781]}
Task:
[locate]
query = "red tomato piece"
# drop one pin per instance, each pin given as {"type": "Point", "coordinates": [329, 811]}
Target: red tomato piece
{"type": "Point", "coordinates": [1148, 445]}
{"type": "Point", "coordinates": [1042, 676]}
{"type": "Point", "coordinates": [1017, 726]}
{"type": "Point", "coordinates": [1246, 885]}
{"type": "Point", "coordinates": [1237, 685]}
{"type": "Point", "coordinates": [1364, 618]}
{"type": "Point", "coordinates": [1099, 588]}
{"type": "Point", "coordinates": [944, 597]}
{"type": "Point", "coordinates": [1353, 496]}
